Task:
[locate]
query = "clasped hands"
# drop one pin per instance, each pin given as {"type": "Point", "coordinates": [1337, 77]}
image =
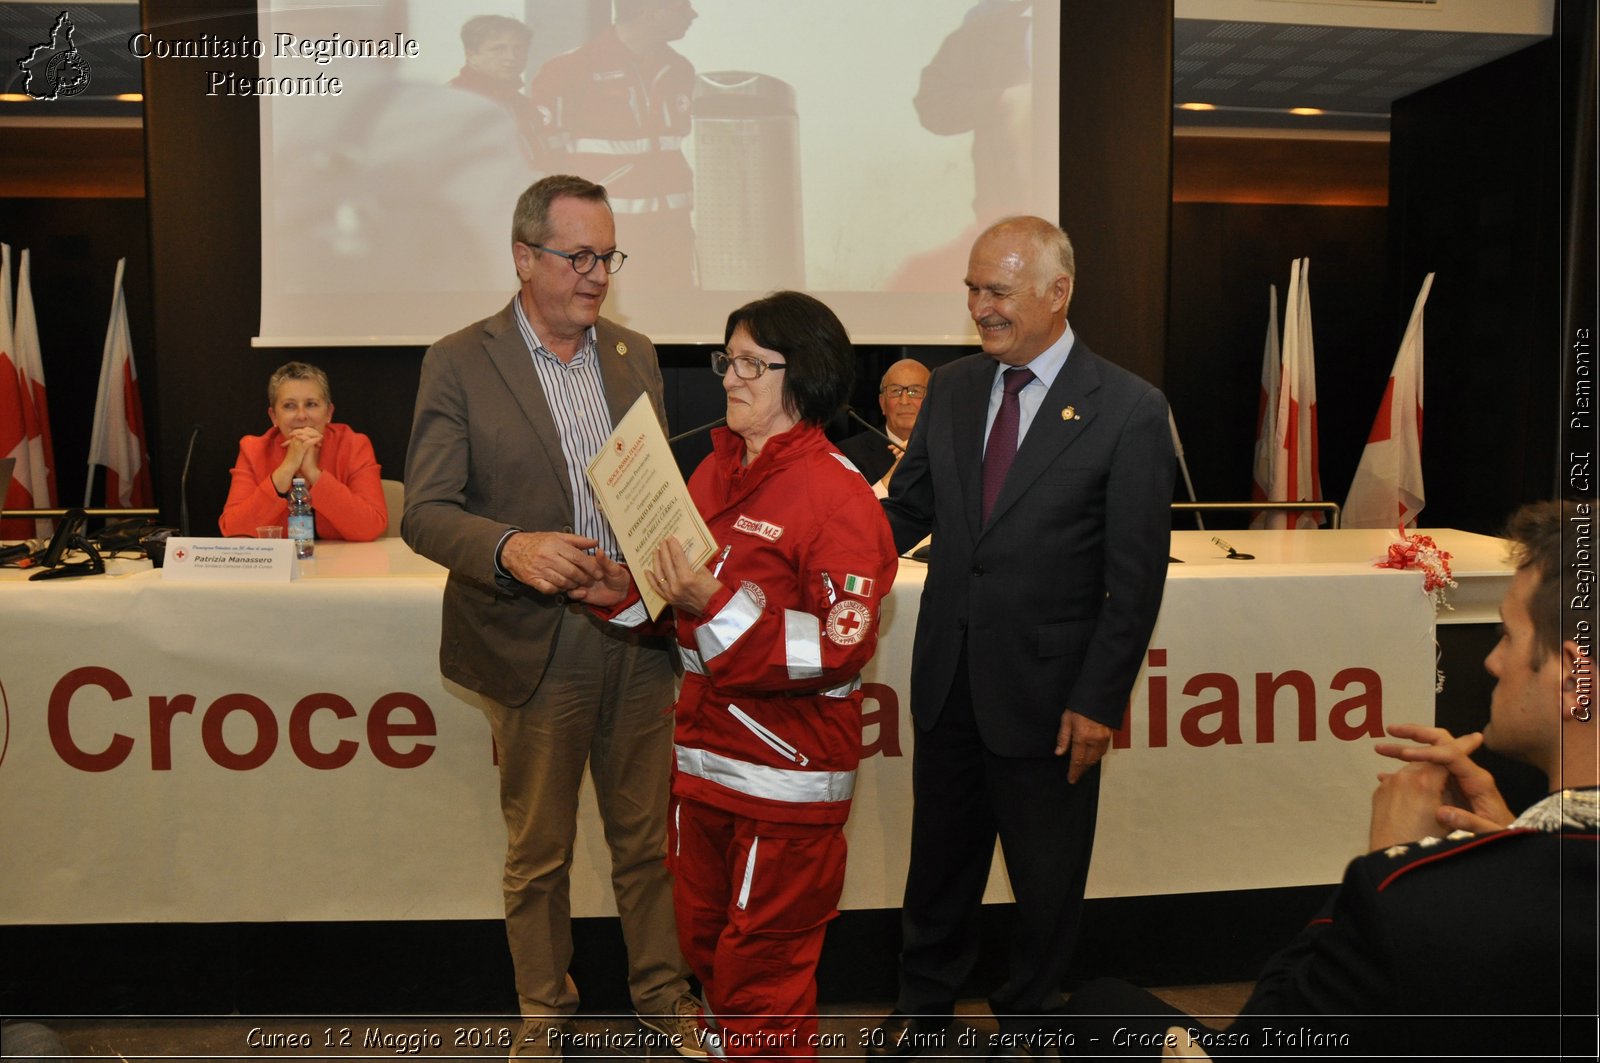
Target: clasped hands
{"type": "Point", "coordinates": [1440, 788]}
{"type": "Point", "coordinates": [302, 446]}
{"type": "Point", "coordinates": [560, 562]}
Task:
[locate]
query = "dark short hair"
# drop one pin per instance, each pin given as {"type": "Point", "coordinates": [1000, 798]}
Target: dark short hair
{"type": "Point", "coordinates": [530, 222]}
{"type": "Point", "coordinates": [1542, 535]}
{"type": "Point", "coordinates": [814, 344]}
{"type": "Point", "coordinates": [476, 31]}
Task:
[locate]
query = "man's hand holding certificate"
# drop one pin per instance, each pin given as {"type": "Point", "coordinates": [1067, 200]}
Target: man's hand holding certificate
{"type": "Point", "coordinates": [645, 498]}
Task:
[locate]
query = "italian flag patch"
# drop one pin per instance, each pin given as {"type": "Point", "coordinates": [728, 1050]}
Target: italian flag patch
{"type": "Point", "coordinates": [859, 586]}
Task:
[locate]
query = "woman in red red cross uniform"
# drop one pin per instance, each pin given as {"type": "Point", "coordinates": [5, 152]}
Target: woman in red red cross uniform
{"type": "Point", "coordinates": [773, 633]}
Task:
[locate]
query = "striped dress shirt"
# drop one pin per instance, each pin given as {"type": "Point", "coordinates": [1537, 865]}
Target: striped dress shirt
{"type": "Point", "coordinates": [577, 399]}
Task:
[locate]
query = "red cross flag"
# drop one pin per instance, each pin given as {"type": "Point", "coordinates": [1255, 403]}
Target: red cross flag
{"type": "Point", "coordinates": [118, 441]}
{"type": "Point", "coordinates": [24, 413]}
{"type": "Point", "coordinates": [1387, 489]}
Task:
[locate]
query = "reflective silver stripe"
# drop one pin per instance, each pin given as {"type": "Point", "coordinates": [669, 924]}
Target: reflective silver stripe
{"type": "Point", "coordinates": [844, 690]}
{"type": "Point", "coordinates": [749, 874]}
{"type": "Point", "coordinates": [669, 143]}
{"type": "Point", "coordinates": [635, 205]}
{"type": "Point", "coordinates": [730, 623]}
{"type": "Point", "coordinates": [802, 644]}
{"type": "Point", "coordinates": [677, 828]}
{"type": "Point", "coordinates": [596, 146]}
{"type": "Point", "coordinates": [769, 736]}
{"type": "Point", "coordinates": [759, 780]}
{"type": "Point", "coordinates": [632, 616]}
{"type": "Point", "coordinates": [691, 661]}
{"type": "Point", "coordinates": [649, 204]}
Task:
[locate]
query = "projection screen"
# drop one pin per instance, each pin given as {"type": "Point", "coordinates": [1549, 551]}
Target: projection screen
{"type": "Point", "coordinates": [848, 149]}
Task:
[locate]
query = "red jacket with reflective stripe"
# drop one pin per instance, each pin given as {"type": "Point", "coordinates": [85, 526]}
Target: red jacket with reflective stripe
{"type": "Point", "coordinates": [770, 725]}
{"type": "Point", "coordinates": [621, 119]}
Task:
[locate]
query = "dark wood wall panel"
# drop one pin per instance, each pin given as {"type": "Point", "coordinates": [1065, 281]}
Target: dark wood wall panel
{"type": "Point", "coordinates": [1116, 174]}
{"type": "Point", "coordinates": [1475, 196]}
{"type": "Point", "coordinates": [1264, 169]}
{"type": "Point", "coordinates": [78, 161]}
{"type": "Point", "coordinates": [1224, 256]}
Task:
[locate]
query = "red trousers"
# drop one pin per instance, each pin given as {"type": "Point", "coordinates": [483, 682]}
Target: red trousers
{"type": "Point", "coordinates": [753, 899]}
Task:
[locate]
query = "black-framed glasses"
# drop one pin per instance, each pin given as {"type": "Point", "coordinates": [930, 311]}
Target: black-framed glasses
{"type": "Point", "coordinates": [910, 391]}
{"type": "Point", "coordinates": [745, 367]}
{"type": "Point", "coordinates": [584, 261]}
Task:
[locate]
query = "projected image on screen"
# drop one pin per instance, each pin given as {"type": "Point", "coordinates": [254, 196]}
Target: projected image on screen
{"type": "Point", "coordinates": [851, 150]}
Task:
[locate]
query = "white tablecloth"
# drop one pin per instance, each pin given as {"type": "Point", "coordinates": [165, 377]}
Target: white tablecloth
{"type": "Point", "coordinates": [180, 751]}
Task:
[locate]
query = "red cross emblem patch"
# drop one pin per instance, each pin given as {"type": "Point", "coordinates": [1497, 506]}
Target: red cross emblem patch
{"type": "Point", "coordinates": [848, 622]}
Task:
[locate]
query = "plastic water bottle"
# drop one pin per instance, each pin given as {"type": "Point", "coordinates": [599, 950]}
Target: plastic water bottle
{"type": "Point", "coordinates": [302, 525]}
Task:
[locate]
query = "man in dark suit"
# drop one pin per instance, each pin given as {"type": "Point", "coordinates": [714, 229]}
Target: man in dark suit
{"type": "Point", "coordinates": [509, 411]}
{"type": "Point", "coordinates": [1464, 931]}
{"type": "Point", "coordinates": [1044, 474]}
{"type": "Point", "coordinates": [900, 396]}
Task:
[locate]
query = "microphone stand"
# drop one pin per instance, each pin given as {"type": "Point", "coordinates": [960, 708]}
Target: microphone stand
{"type": "Point", "coordinates": [183, 483]}
{"type": "Point", "coordinates": [708, 426]}
{"type": "Point", "coordinates": [869, 426]}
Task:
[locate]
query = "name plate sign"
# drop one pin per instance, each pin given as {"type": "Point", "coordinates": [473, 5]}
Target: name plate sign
{"type": "Point", "coordinates": [218, 560]}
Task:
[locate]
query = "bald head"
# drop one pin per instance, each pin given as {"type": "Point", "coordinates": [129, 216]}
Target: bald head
{"type": "Point", "coordinates": [1020, 278]}
{"type": "Point", "coordinates": [900, 409]}
{"type": "Point", "coordinates": [1052, 248]}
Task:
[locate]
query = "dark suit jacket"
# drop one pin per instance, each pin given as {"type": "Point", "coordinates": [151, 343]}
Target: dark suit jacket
{"type": "Point", "coordinates": [485, 457]}
{"type": "Point", "coordinates": [1407, 931]}
{"type": "Point", "coordinates": [1482, 928]}
{"type": "Point", "coordinates": [1056, 596]}
{"type": "Point", "coordinates": [869, 453]}
{"type": "Point", "coordinates": [1463, 948]}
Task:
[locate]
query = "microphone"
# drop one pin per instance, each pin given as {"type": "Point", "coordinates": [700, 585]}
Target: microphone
{"type": "Point", "coordinates": [869, 426]}
{"type": "Point", "coordinates": [1233, 555]}
{"type": "Point", "coordinates": [183, 483]}
{"type": "Point", "coordinates": [708, 426]}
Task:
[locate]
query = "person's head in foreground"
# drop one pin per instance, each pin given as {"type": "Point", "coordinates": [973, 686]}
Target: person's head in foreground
{"type": "Point", "coordinates": [1542, 708]}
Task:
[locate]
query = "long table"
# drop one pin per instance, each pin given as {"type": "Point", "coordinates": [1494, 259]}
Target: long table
{"type": "Point", "coordinates": [210, 752]}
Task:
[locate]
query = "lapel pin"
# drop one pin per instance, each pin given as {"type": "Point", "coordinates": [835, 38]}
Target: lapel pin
{"type": "Point", "coordinates": [622, 348]}
{"type": "Point", "coordinates": [1070, 413]}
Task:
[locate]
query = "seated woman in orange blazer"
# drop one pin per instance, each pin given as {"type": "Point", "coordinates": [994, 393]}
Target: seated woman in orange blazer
{"type": "Point", "coordinates": [336, 461]}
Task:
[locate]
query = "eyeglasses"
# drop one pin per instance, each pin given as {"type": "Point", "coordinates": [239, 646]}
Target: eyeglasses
{"type": "Point", "coordinates": [914, 392]}
{"type": "Point", "coordinates": [584, 261]}
{"type": "Point", "coordinates": [744, 366]}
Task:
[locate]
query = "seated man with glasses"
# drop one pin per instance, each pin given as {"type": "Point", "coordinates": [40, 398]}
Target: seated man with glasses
{"type": "Point", "coordinates": [900, 398]}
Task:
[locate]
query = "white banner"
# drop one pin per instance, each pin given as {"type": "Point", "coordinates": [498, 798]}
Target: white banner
{"type": "Point", "coordinates": [201, 752]}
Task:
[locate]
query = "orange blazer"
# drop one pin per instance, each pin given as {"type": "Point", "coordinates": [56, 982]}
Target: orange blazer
{"type": "Point", "coordinates": [347, 497]}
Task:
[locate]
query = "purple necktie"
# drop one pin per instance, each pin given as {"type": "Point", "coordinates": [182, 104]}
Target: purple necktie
{"type": "Point", "coordinates": [1003, 438]}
